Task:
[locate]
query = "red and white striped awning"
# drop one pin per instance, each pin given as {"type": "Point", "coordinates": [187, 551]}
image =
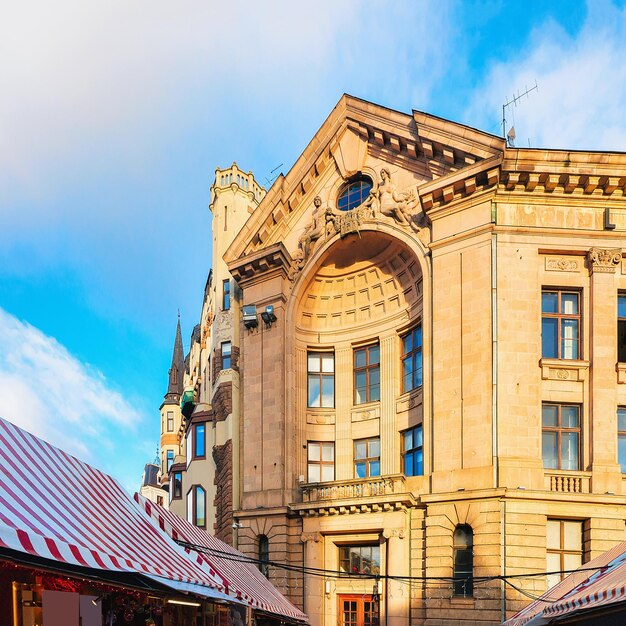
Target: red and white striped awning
{"type": "Point", "coordinates": [599, 583]}
{"type": "Point", "coordinates": [56, 507]}
{"type": "Point", "coordinates": [241, 578]}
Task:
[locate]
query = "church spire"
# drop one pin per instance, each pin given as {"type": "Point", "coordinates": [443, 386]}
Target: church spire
{"type": "Point", "coordinates": [177, 368]}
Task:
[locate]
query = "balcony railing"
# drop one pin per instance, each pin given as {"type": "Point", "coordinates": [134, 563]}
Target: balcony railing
{"type": "Point", "coordinates": [566, 482]}
{"type": "Point", "coordinates": [353, 489]}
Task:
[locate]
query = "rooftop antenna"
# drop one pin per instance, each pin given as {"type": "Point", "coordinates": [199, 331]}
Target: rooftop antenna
{"type": "Point", "coordinates": [270, 179]}
{"type": "Point", "coordinates": [510, 134]}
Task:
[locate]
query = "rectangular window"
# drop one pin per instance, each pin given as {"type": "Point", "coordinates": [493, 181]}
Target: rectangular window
{"type": "Point", "coordinates": [226, 295]}
{"type": "Point", "coordinates": [621, 328]}
{"type": "Point", "coordinates": [560, 324]}
{"type": "Point", "coordinates": [321, 461]}
{"type": "Point", "coordinates": [412, 360]}
{"type": "Point", "coordinates": [367, 374]}
{"type": "Point", "coordinates": [170, 460]}
{"type": "Point", "coordinates": [226, 354]}
{"type": "Point", "coordinates": [359, 559]}
{"type": "Point", "coordinates": [177, 486]}
{"type": "Point", "coordinates": [199, 442]}
{"type": "Point", "coordinates": [367, 457]}
{"type": "Point", "coordinates": [561, 436]}
{"type": "Point", "coordinates": [321, 379]}
{"type": "Point", "coordinates": [621, 437]}
{"type": "Point", "coordinates": [170, 421]}
{"type": "Point", "coordinates": [413, 452]}
{"type": "Point", "coordinates": [564, 548]}
{"type": "Point", "coordinates": [199, 506]}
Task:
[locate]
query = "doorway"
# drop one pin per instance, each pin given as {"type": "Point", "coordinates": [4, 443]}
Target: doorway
{"type": "Point", "coordinates": [358, 610]}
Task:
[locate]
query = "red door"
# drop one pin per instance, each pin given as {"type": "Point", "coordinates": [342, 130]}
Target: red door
{"type": "Point", "coordinates": [357, 610]}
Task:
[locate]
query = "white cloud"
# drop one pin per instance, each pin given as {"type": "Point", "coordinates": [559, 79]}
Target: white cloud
{"type": "Point", "coordinates": [581, 80]}
{"type": "Point", "coordinates": [50, 393]}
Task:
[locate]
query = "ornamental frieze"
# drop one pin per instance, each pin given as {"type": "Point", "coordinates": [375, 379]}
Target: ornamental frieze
{"type": "Point", "coordinates": [604, 259]}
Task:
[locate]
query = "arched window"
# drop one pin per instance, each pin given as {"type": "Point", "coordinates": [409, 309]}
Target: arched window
{"type": "Point", "coordinates": [264, 555]}
{"type": "Point", "coordinates": [354, 193]}
{"type": "Point", "coordinates": [462, 547]}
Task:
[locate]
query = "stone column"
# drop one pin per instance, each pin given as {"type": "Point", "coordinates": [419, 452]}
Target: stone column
{"type": "Point", "coordinates": [389, 453]}
{"type": "Point", "coordinates": [314, 585]}
{"type": "Point", "coordinates": [603, 357]}
{"type": "Point", "coordinates": [397, 594]}
{"type": "Point", "coordinates": [344, 469]}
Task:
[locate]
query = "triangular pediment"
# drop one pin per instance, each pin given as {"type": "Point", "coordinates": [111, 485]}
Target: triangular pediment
{"type": "Point", "coordinates": [359, 137]}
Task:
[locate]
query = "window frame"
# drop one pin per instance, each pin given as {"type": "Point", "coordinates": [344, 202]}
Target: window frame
{"type": "Point", "coordinates": [415, 354]}
{"type": "Point", "coordinates": [264, 555]}
{"type": "Point", "coordinates": [320, 376]}
{"type": "Point", "coordinates": [226, 295]}
{"type": "Point", "coordinates": [319, 463]}
{"type": "Point", "coordinates": [348, 189]}
{"type": "Point", "coordinates": [560, 430]}
{"type": "Point", "coordinates": [367, 460]}
{"type": "Point", "coordinates": [169, 460]}
{"type": "Point", "coordinates": [463, 579]}
{"type": "Point", "coordinates": [194, 492]}
{"type": "Point", "coordinates": [170, 421]}
{"type": "Point", "coordinates": [199, 428]}
{"type": "Point", "coordinates": [561, 550]}
{"type": "Point", "coordinates": [227, 357]}
{"type": "Point", "coordinates": [369, 368]}
{"type": "Point", "coordinates": [414, 450]}
{"type": "Point", "coordinates": [177, 493]}
{"type": "Point", "coordinates": [560, 318]}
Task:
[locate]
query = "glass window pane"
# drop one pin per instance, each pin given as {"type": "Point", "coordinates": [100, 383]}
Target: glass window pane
{"type": "Point", "coordinates": [621, 452]}
{"type": "Point", "coordinates": [621, 341]}
{"type": "Point", "coordinates": [360, 380]}
{"type": "Point", "coordinates": [418, 436]}
{"type": "Point", "coordinates": [374, 355]}
{"type": "Point", "coordinates": [328, 363]}
{"type": "Point", "coordinates": [407, 343]}
{"type": "Point", "coordinates": [408, 464]}
{"type": "Point", "coordinates": [374, 448]}
{"type": "Point", "coordinates": [417, 337]}
{"type": "Point", "coordinates": [328, 391]}
{"type": "Point", "coordinates": [375, 468]}
{"type": "Point", "coordinates": [359, 469]}
{"type": "Point", "coordinates": [572, 561]}
{"type": "Point", "coordinates": [200, 506]}
{"type": "Point", "coordinates": [553, 562]}
{"type": "Point", "coordinates": [549, 302]}
{"type": "Point", "coordinates": [359, 358]}
{"type": "Point", "coordinates": [549, 415]}
{"type": "Point", "coordinates": [417, 371]}
{"type": "Point", "coordinates": [549, 338]}
{"type": "Point", "coordinates": [569, 451]}
{"type": "Point", "coordinates": [314, 473]}
{"type": "Point", "coordinates": [553, 534]}
{"type": "Point", "coordinates": [621, 418]}
{"type": "Point", "coordinates": [314, 452]}
{"type": "Point", "coordinates": [359, 396]}
{"type": "Point", "coordinates": [375, 393]}
{"type": "Point", "coordinates": [549, 451]}
{"type": "Point", "coordinates": [407, 436]}
{"type": "Point", "coordinates": [569, 303]}
{"type": "Point", "coordinates": [314, 391]}
{"type": "Point", "coordinates": [328, 473]}
{"type": "Point", "coordinates": [328, 452]}
{"type": "Point", "coordinates": [572, 535]}
{"type": "Point", "coordinates": [374, 376]}
{"type": "Point", "coordinates": [418, 463]}
{"type": "Point", "coordinates": [360, 449]}
{"type": "Point", "coordinates": [621, 306]}
{"type": "Point", "coordinates": [569, 416]}
{"type": "Point", "coordinates": [569, 340]}
{"type": "Point", "coordinates": [313, 363]}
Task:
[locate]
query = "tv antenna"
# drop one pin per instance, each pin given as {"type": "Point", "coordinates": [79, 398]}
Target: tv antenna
{"type": "Point", "coordinates": [271, 178]}
{"type": "Point", "coordinates": [510, 135]}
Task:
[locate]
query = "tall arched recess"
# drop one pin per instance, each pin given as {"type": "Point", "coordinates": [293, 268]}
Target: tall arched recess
{"type": "Point", "coordinates": [349, 317]}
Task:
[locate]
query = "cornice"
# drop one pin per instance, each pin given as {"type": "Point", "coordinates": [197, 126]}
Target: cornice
{"type": "Point", "coordinates": [274, 259]}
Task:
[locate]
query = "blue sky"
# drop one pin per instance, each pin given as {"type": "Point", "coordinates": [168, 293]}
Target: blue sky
{"type": "Point", "coordinates": [115, 114]}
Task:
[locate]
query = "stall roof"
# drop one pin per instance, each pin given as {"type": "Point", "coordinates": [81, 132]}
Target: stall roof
{"type": "Point", "coordinates": [241, 577]}
{"type": "Point", "coordinates": [597, 584]}
{"type": "Point", "coordinates": [56, 507]}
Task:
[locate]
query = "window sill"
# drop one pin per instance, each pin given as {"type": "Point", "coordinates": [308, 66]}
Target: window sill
{"type": "Point", "coordinates": [564, 369]}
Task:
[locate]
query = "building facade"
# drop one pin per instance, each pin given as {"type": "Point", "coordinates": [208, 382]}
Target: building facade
{"type": "Point", "coordinates": [438, 398]}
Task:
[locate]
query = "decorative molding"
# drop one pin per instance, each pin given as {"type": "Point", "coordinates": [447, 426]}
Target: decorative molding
{"type": "Point", "coordinates": [394, 532]}
{"type": "Point", "coordinates": [314, 537]}
{"type": "Point", "coordinates": [409, 402]}
{"type": "Point", "coordinates": [604, 260]}
{"type": "Point", "coordinates": [370, 413]}
{"type": "Point", "coordinates": [563, 264]}
{"type": "Point", "coordinates": [320, 418]}
{"type": "Point", "coordinates": [563, 369]}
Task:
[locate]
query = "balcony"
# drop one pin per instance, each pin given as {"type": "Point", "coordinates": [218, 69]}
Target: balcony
{"type": "Point", "coordinates": [361, 495]}
{"type": "Point", "coordinates": [567, 482]}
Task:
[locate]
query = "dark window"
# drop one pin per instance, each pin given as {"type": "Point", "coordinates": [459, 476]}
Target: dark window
{"type": "Point", "coordinates": [170, 421]}
{"type": "Point", "coordinates": [226, 355]}
{"type": "Point", "coordinates": [199, 442]}
{"type": "Point", "coordinates": [621, 328]}
{"type": "Point", "coordinates": [564, 548]}
{"type": "Point", "coordinates": [367, 374]}
{"type": "Point", "coordinates": [321, 379]}
{"type": "Point", "coordinates": [199, 506]}
{"type": "Point", "coordinates": [264, 555]}
{"type": "Point", "coordinates": [560, 324]}
{"type": "Point", "coordinates": [561, 436]}
{"type": "Point", "coordinates": [354, 193]}
{"type": "Point", "coordinates": [413, 452]}
{"type": "Point", "coordinates": [159, 500]}
{"type": "Point", "coordinates": [359, 559]}
{"type": "Point", "coordinates": [367, 457]}
{"type": "Point", "coordinates": [170, 459]}
{"type": "Point", "coordinates": [463, 544]}
{"type": "Point", "coordinates": [621, 437]}
{"type": "Point", "coordinates": [321, 461]}
{"type": "Point", "coordinates": [226, 295]}
{"type": "Point", "coordinates": [177, 486]}
{"type": "Point", "coordinates": [412, 360]}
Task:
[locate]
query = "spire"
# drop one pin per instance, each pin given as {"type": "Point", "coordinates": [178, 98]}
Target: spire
{"type": "Point", "coordinates": [177, 368]}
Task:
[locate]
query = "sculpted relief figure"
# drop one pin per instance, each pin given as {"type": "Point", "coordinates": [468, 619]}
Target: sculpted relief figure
{"type": "Point", "coordinates": [385, 198]}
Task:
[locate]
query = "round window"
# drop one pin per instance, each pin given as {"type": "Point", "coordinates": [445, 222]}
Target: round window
{"type": "Point", "coordinates": [354, 193]}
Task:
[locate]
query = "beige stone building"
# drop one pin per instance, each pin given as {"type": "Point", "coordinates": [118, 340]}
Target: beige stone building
{"type": "Point", "coordinates": [438, 395]}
